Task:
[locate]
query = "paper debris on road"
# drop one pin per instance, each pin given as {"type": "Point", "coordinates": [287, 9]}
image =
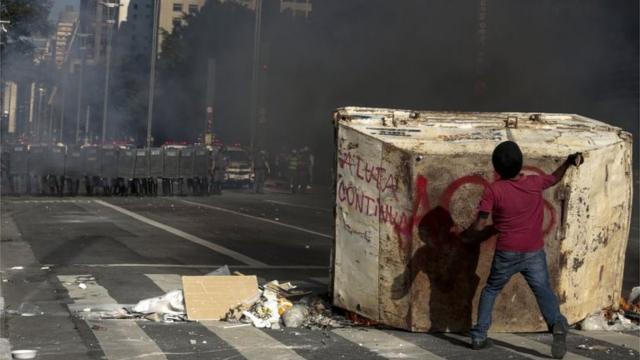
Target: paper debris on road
{"type": "Point", "coordinates": [211, 297]}
{"type": "Point", "coordinates": [169, 303]}
{"type": "Point", "coordinates": [286, 290]}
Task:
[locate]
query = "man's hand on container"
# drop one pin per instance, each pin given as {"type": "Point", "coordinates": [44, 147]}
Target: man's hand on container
{"type": "Point", "coordinates": [575, 159]}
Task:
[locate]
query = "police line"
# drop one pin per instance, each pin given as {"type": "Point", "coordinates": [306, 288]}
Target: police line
{"type": "Point", "coordinates": [105, 166]}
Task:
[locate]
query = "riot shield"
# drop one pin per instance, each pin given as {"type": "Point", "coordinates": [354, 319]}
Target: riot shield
{"type": "Point", "coordinates": [141, 164]}
{"type": "Point", "coordinates": [54, 164]}
{"type": "Point", "coordinates": [126, 163]}
{"type": "Point", "coordinates": [186, 163]}
{"type": "Point", "coordinates": [201, 162]}
{"type": "Point", "coordinates": [73, 167]}
{"type": "Point", "coordinates": [37, 159]}
{"type": "Point", "coordinates": [155, 162]}
{"type": "Point", "coordinates": [109, 164]}
{"type": "Point", "coordinates": [19, 160]}
{"type": "Point", "coordinates": [91, 161]}
{"type": "Point", "coordinates": [171, 163]}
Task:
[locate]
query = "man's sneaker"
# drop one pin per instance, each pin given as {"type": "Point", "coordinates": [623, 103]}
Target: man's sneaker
{"type": "Point", "coordinates": [559, 346]}
{"type": "Point", "coordinates": [479, 344]}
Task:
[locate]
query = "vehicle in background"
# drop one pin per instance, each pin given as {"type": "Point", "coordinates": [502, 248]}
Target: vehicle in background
{"type": "Point", "coordinates": [239, 170]}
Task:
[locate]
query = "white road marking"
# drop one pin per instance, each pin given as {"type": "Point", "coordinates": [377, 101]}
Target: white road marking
{"type": "Point", "coordinates": [51, 201]}
{"type": "Point", "coordinates": [257, 218]}
{"type": "Point", "coordinates": [116, 343]}
{"type": "Point", "coordinates": [612, 337]}
{"type": "Point", "coordinates": [252, 343]}
{"type": "Point", "coordinates": [298, 205]}
{"type": "Point", "coordinates": [166, 282]}
{"type": "Point", "coordinates": [260, 345]}
{"type": "Point", "coordinates": [208, 266]}
{"type": "Point", "coordinates": [521, 341]}
{"type": "Point", "coordinates": [215, 247]}
{"type": "Point", "coordinates": [385, 345]}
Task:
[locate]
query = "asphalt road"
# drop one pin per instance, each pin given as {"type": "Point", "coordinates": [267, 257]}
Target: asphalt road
{"type": "Point", "coordinates": [127, 249]}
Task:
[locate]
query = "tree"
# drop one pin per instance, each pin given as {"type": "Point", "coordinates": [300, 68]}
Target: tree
{"type": "Point", "coordinates": [26, 19]}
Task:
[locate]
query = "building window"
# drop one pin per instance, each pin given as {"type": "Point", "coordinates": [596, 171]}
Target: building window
{"type": "Point", "coordinates": [177, 7]}
{"type": "Point", "coordinates": [193, 8]}
{"type": "Point", "coordinates": [177, 22]}
{"type": "Point", "coordinates": [135, 6]}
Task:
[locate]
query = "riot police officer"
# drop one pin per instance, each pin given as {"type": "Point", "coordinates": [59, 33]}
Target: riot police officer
{"type": "Point", "coordinates": [261, 170]}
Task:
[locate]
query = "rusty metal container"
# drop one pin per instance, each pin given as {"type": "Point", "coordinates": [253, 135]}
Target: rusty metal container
{"type": "Point", "coordinates": [404, 178]}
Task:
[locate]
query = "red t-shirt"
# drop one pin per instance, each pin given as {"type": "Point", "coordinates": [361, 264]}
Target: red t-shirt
{"type": "Point", "coordinates": [517, 210]}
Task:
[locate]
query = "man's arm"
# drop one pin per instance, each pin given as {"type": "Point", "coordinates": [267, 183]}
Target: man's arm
{"type": "Point", "coordinates": [573, 159]}
{"type": "Point", "coordinates": [479, 231]}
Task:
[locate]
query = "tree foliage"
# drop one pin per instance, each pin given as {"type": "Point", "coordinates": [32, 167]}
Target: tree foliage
{"type": "Point", "coordinates": [26, 17]}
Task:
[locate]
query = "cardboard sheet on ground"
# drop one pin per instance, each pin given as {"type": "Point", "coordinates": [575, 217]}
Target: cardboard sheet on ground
{"type": "Point", "coordinates": [210, 297]}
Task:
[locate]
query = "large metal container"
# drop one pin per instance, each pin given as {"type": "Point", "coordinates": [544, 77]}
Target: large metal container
{"type": "Point", "coordinates": [404, 178]}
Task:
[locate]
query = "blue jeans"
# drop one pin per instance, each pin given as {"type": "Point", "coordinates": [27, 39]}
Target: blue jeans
{"type": "Point", "coordinates": [533, 266]}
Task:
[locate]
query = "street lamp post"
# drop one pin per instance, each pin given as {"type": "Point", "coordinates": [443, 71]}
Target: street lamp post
{"type": "Point", "coordinates": [83, 60]}
{"type": "Point", "coordinates": [3, 30]}
{"type": "Point", "coordinates": [110, 23]}
{"type": "Point", "coordinates": [254, 72]}
{"type": "Point", "coordinates": [152, 70]}
{"type": "Point", "coordinates": [39, 120]}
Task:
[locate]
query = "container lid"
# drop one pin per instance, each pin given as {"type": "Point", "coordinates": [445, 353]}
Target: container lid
{"type": "Point", "coordinates": [431, 132]}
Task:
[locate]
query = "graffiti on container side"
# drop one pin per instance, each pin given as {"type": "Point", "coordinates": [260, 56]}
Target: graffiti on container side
{"type": "Point", "coordinates": [366, 204]}
{"type": "Point", "coordinates": [402, 222]}
{"type": "Point", "coordinates": [370, 173]}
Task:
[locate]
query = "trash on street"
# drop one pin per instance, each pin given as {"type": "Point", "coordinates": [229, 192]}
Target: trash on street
{"type": "Point", "coordinates": [170, 303]}
{"type": "Point", "coordinates": [211, 297]}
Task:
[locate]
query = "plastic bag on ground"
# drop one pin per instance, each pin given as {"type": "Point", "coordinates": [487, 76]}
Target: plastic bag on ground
{"type": "Point", "coordinates": [634, 296]}
{"type": "Point", "coordinates": [169, 303]}
{"type": "Point", "coordinates": [295, 316]}
{"type": "Point", "coordinates": [598, 321]}
{"type": "Point", "coordinates": [256, 321]}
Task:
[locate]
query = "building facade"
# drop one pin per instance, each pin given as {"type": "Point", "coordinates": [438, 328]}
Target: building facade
{"type": "Point", "coordinates": [65, 28]}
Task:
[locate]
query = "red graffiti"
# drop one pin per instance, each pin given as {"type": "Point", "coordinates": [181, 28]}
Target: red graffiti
{"type": "Point", "coordinates": [420, 202]}
{"type": "Point", "coordinates": [368, 172]}
{"type": "Point", "coordinates": [370, 206]}
{"type": "Point", "coordinates": [447, 195]}
{"type": "Point", "coordinates": [404, 224]}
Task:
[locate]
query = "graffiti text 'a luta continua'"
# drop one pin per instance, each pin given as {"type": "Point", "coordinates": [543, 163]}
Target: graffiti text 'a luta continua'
{"type": "Point", "coordinates": [370, 173]}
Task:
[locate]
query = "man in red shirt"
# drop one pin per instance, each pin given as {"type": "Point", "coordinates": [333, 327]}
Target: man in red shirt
{"type": "Point", "coordinates": [517, 208]}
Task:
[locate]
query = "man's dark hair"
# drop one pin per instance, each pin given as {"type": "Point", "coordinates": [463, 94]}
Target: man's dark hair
{"type": "Point", "coordinates": [507, 159]}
